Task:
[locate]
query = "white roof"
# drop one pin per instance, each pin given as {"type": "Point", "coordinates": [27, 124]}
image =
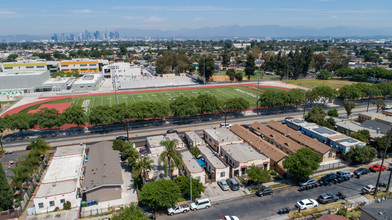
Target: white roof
{"type": "Point", "coordinates": [68, 151]}
{"type": "Point", "coordinates": [56, 189]}
{"type": "Point", "coordinates": [173, 136]}
{"type": "Point", "coordinates": [348, 141]}
{"type": "Point", "coordinates": [387, 119]}
{"type": "Point", "coordinates": [63, 168]}
{"type": "Point", "coordinates": [211, 157]}
{"type": "Point", "coordinates": [243, 152]}
{"type": "Point", "coordinates": [194, 137]}
{"type": "Point", "coordinates": [155, 141]}
{"type": "Point", "coordinates": [372, 114]}
{"type": "Point", "coordinates": [222, 135]}
{"type": "Point", "coordinates": [190, 163]}
{"type": "Point", "coordinates": [88, 79]}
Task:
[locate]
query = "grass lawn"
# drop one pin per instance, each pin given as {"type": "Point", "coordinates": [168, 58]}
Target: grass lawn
{"type": "Point", "coordinates": [311, 83]}
{"type": "Point", "coordinates": [222, 93]}
{"type": "Point", "coordinates": [318, 209]}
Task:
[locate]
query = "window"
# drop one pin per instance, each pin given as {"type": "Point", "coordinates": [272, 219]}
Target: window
{"type": "Point", "coordinates": [64, 65]}
{"type": "Point", "coordinates": [51, 203]}
{"type": "Point", "coordinates": [8, 68]}
{"type": "Point", "coordinates": [330, 154]}
{"type": "Point", "coordinates": [222, 174]}
{"type": "Point", "coordinates": [93, 64]}
{"type": "Point", "coordinates": [40, 205]}
{"type": "Point", "coordinates": [29, 67]}
{"type": "Point", "coordinates": [62, 200]}
{"type": "Point", "coordinates": [83, 64]}
{"type": "Point", "coordinates": [40, 66]}
{"type": "Point", "coordinates": [84, 69]}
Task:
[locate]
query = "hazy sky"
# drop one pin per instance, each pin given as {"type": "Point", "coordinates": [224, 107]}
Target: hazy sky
{"type": "Point", "coordinates": [45, 17]}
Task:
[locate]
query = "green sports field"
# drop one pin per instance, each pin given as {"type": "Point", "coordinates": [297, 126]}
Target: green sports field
{"type": "Point", "coordinates": [222, 93]}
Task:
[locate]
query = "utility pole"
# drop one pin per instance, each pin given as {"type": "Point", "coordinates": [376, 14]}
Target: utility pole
{"type": "Point", "coordinates": [127, 116]}
{"type": "Point", "coordinates": [190, 179]}
{"type": "Point", "coordinates": [287, 70]}
{"type": "Point", "coordinates": [258, 83]}
{"type": "Point", "coordinates": [205, 69]}
{"type": "Point", "coordinates": [382, 162]}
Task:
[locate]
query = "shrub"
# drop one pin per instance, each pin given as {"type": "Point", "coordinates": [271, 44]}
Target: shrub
{"type": "Point", "coordinates": [56, 209]}
{"type": "Point", "coordinates": [273, 172]}
{"type": "Point", "coordinates": [342, 212]}
{"type": "Point", "coordinates": [67, 205]}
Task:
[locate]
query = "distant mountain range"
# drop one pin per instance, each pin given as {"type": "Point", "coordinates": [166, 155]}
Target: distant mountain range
{"type": "Point", "coordinates": [236, 31]}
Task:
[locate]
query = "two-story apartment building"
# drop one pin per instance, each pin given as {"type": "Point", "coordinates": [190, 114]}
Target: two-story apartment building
{"type": "Point", "coordinates": [215, 166]}
{"type": "Point", "coordinates": [219, 137]}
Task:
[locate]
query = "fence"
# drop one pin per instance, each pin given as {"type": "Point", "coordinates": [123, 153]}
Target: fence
{"type": "Point", "coordinates": [331, 166]}
{"type": "Point", "coordinates": [99, 211]}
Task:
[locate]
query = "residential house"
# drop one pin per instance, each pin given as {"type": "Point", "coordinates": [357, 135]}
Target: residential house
{"type": "Point", "coordinates": [192, 167]}
{"type": "Point", "coordinates": [219, 137]}
{"type": "Point", "coordinates": [194, 139]}
{"type": "Point", "coordinates": [216, 168]}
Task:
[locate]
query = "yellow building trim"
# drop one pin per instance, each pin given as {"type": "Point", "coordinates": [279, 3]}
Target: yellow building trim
{"type": "Point", "coordinates": [23, 64]}
{"type": "Point", "coordinates": [78, 62]}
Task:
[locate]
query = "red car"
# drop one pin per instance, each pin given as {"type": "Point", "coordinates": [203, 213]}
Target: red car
{"type": "Point", "coordinates": [377, 168]}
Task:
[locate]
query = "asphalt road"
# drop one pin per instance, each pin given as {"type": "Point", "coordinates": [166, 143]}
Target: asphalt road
{"type": "Point", "coordinates": [137, 133]}
{"type": "Point", "coordinates": [253, 207]}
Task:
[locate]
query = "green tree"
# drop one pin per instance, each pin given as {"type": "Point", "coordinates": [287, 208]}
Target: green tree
{"type": "Point", "coordinates": [75, 115]}
{"type": "Point", "coordinates": [250, 65]}
{"type": "Point", "coordinates": [315, 115]}
{"type": "Point", "coordinates": [169, 156]}
{"type": "Point", "coordinates": [349, 92]}
{"type": "Point", "coordinates": [4, 125]}
{"type": "Point", "coordinates": [130, 154]}
{"type": "Point", "coordinates": [183, 106]}
{"type": "Point", "coordinates": [324, 93]}
{"type": "Point", "coordinates": [231, 73]}
{"type": "Point", "coordinates": [258, 174]}
{"type": "Point", "coordinates": [40, 146]}
{"type": "Point", "coordinates": [333, 113]}
{"type": "Point", "coordinates": [184, 183]}
{"type": "Point", "coordinates": [206, 103]}
{"type": "Point", "coordinates": [349, 106]}
{"type": "Point", "coordinates": [131, 212]}
{"type": "Point", "coordinates": [324, 74]}
{"type": "Point", "coordinates": [48, 118]}
{"type": "Point", "coordinates": [206, 67]}
{"type": "Point", "coordinates": [195, 151]}
{"type": "Point", "coordinates": [303, 163]}
{"type": "Point", "coordinates": [238, 77]}
{"type": "Point", "coordinates": [142, 166]}
{"type": "Point", "coordinates": [226, 59]}
{"type": "Point", "coordinates": [162, 193]}
{"type": "Point", "coordinates": [101, 115]}
{"type": "Point", "coordinates": [11, 58]}
{"type": "Point", "coordinates": [6, 193]}
{"type": "Point", "coordinates": [237, 104]}
{"type": "Point", "coordinates": [380, 103]}
{"type": "Point", "coordinates": [362, 135]}
{"type": "Point", "coordinates": [67, 205]}
{"type": "Point", "coordinates": [360, 155]}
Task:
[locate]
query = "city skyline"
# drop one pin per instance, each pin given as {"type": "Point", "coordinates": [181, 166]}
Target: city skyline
{"type": "Point", "coordinates": [40, 18]}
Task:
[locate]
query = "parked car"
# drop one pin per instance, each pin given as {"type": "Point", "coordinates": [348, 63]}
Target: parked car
{"type": "Point", "coordinates": [171, 131]}
{"type": "Point", "coordinates": [310, 181]}
{"type": "Point", "coordinates": [285, 210]}
{"type": "Point", "coordinates": [377, 168]}
{"type": "Point", "coordinates": [223, 185]}
{"type": "Point", "coordinates": [341, 195]}
{"type": "Point", "coordinates": [327, 198]}
{"type": "Point", "coordinates": [264, 191]}
{"type": "Point", "coordinates": [361, 171]}
{"type": "Point", "coordinates": [345, 174]}
{"type": "Point", "coordinates": [368, 189]}
{"type": "Point", "coordinates": [143, 151]}
{"type": "Point", "coordinates": [329, 177]}
{"type": "Point", "coordinates": [201, 204]}
{"type": "Point", "coordinates": [233, 184]}
{"type": "Point", "coordinates": [387, 107]}
{"type": "Point", "coordinates": [306, 204]}
{"type": "Point", "coordinates": [227, 217]}
{"type": "Point", "coordinates": [178, 209]}
{"type": "Point", "coordinates": [123, 138]}
{"type": "Point", "coordinates": [227, 125]}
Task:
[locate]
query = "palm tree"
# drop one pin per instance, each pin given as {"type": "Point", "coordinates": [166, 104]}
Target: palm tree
{"type": "Point", "coordinates": [142, 166]}
{"type": "Point", "coordinates": [169, 155]}
{"type": "Point", "coordinates": [40, 146]}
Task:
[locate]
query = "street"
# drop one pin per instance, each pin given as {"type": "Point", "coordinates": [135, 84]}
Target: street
{"type": "Point", "coordinates": [253, 207]}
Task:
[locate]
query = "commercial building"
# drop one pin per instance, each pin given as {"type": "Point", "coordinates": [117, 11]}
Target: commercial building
{"type": "Point", "coordinates": [276, 155]}
{"type": "Point", "coordinates": [103, 176]}
{"type": "Point", "coordinates": [121, 70]}
{"type": "Point", "coordinates": [58, 84]}
{"type": "Point", "coordinates": [194, 139]}
{"type": "Point", "coordinates": [324, 135]}
{"type": "Point", "coordinates": [324, 150]}
{"type": "Point", "coordinates": [241, 156]}
{"type": "Point", "coordinates": [385, 120]}
{"type": "Point", "coordinates": [61, 181]}
{"type": "Point", "coordinates": [350, 127]}
{"type": "Point", "coordinates": [219, 137]}
{"type": "Point", "coordinates": [364, 116]}
{"type": "Point", "coordinates": [80, 65]}
{"type": "Point", "coordinates": [23, 81]}
{"type": "Point", "coordinates": [24, 66]}
{"type": "Point", "coordinates": [216, 168]}
{"type": "Point", "coordinates": [88, 83]}
{"type": "Point", "coordinates": [275, 138]}
{"type": "Point", "coordinates": [192, 167]}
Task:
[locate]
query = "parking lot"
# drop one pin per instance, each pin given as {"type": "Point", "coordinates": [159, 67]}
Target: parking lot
{"type": "Point", "coordinates": [215, 193]}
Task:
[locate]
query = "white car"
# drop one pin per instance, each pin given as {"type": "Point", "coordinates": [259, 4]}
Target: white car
{"type": "Point", "coordinates": [227, 217]}
{"type": "Point", "coordinates": [368, 189]}
{"type": "Point", "coordinates": [223, 125]}
{"type": "Point", "coordinates": [306, 204]}
{"type": "Point", "coordinates": [201, 204]}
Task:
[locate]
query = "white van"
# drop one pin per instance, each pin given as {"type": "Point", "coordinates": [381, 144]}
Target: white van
{"type": "Point", "coordinates": [201, 204]}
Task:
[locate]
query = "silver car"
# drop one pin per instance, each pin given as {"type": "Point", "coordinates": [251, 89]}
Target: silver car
{"type": "Point", "coordinates": [223, 185]}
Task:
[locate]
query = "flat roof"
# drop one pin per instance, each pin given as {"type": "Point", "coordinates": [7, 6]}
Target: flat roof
{"type": "Point", "coordinates": [88, 79]}
{"type": "Point", "coordinates": [53, 81]}
{"type": "Point", "coordinates": [212, 157]}
{"type": "Point", "coordinates": [103, 166]}
{"type": "Point", "coordinates": [56, 189]}
{"type": "Point", "coordinates": [174, 136]}
{"type": "Point", "coordinates": [302, 123]}
{"type": "Point", "coordinates": [380, 210]}
{"type": "Point", "coordinates": [371, 114]}
{"type": "Point", "coordinates": [222, 135]}
{"type": "Point", "coordinates": [348, 141]}
{"type": "Point", "coordinates": [243, 152]}
{"type": "Point", "coordinates": [385, 119]}
{"type": "Point", "coordinates": [194, 136]}
{"type": "Point", "coordinates": [258, 143]}
{"type": "Point", "coordinates": [23, 73]}
{"type": "Point", "coordinates": [155, 141]}
{"type": "Point", "coordinates": [190, 162]}
{"type": "Point", "coordinates": [63, 168]}
{"type": "Point", "coordinates": [69, 150]}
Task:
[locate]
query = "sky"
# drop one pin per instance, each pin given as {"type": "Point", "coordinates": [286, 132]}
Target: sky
{"type": "Point", "coordinates": [37, 17]}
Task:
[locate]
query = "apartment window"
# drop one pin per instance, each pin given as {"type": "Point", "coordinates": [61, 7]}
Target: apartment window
{"type": "Point", "coordinates": [40, 66]}
{"type": "Point", "coordinates": [62, 200]}
{"type": "Point", "coordinates": [330, 154]}
{"type": "Point", "coordinates": [8, 68]}
{"type": "Point", "coordinates": [83, 64]}
{"type": "Point", "coordinates": [29, 67]}
{"type": "Point", "coordinates": [51, 203]}
{"type": "Point", "coordinates": [40, 205]}
{"type": "Point", "coordinates": [84, 69]}
{"type": "Point", "coordinates": [93, 64]}
{"type": "Point", "coordinates": [222, 174]}
{"type": "Point", "coordinates": [64, 65]}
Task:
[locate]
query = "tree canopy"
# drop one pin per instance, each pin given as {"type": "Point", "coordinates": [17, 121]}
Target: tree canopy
{"type": "Point", "coordinates": [160, 193]}
{"type": "Point", "coordinates": [184, 184]}
{"type": "Point", "coordinates": [258, 174]}
{"type": "Point", "coordinates": [303, 163]}
{"type": "Point", "coordinates": [360, 155]}
{"type": "Point", "coordinates": [206, 66]}
{"type": "Point", "coordinates": [131, 212]}
{"type": "Point", "coordinates": [6, 193]}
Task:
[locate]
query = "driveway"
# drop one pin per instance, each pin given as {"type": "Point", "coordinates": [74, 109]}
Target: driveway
{"type": "Point", "coordinates": [215, 193]}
